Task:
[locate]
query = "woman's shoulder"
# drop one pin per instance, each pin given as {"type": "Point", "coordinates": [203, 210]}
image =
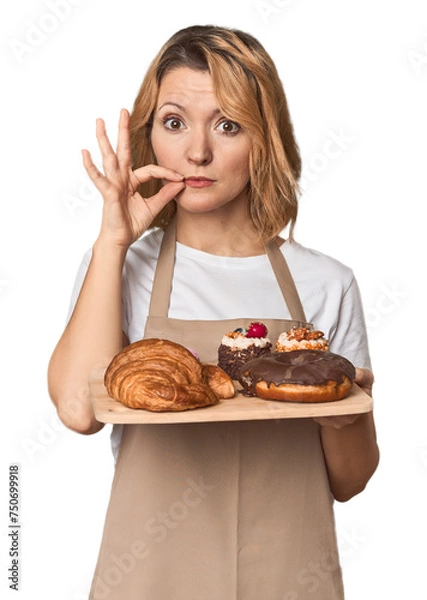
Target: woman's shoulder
{"type": "Point", "coordinates": [302, 259]}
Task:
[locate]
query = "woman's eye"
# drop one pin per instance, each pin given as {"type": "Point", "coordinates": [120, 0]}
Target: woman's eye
{"type": "Point", "coordinates": [173, 123]}
{"type": "Point", "coordinates": [229, 127]}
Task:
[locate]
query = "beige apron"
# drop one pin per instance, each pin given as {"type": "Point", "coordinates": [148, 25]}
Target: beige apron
{"type": "Point", "coordinates": [218, 511]}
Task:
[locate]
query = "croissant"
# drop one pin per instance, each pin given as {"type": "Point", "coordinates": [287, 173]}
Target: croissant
{"type": "Point", "coordinates": [160, 375]}
{"type": "Point", "coordinates": [218, 380]}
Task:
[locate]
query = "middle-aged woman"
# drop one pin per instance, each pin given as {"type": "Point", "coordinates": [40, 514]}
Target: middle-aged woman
{"type": "Point", "coordinates": [202, 181]}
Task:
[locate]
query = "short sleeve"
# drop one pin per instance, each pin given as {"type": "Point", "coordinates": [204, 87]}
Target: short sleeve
{"type": "Point", "coordinates": [78, 283]}
{"type": "Point", "coordinates": [349, 335]}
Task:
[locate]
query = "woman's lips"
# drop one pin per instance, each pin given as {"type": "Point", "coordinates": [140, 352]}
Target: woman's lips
{"type": "Point", "coordinates": [198, 182]}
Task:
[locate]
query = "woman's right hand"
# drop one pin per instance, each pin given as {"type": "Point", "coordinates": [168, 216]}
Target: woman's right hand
{"type": "Point", "coordinates": [126, 214]}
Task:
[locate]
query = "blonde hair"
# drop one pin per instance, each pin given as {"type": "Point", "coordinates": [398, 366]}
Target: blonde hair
{"type": "Point", "coordinates": [249, 92]}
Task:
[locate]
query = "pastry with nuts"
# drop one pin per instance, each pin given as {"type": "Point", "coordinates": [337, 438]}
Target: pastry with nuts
{"type": "Point", "coordinates": [301, 338]}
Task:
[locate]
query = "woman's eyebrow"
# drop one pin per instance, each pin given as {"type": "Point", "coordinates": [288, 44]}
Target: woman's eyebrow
{"type": "Point", "coordinates": [169, 103]}
{"type": "Point", "coordinates": [215, 112]}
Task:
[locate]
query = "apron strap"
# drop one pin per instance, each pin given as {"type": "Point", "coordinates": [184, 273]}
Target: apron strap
{"type": "Point", "coordinates": [285, 281]}
{"type": "Point", "coordinates": [162, 283]}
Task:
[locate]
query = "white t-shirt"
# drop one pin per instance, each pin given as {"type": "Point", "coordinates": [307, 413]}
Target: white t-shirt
{"type": "Point", "coordinates": [210, 287]}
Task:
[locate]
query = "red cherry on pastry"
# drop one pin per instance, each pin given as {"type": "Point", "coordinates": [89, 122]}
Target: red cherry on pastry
{"type": "Point", "coordinates": [257, 330]}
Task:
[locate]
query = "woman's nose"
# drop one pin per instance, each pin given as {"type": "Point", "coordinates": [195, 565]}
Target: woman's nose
{"type": "Point", "coordinates": [199, 150]}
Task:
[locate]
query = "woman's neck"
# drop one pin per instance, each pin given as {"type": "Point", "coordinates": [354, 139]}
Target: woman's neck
{"type": "Point", "coordinates": [219, 234]}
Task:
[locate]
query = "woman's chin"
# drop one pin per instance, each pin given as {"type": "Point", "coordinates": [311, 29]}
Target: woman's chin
{"type": "Point", "coordinates": [193, 203]}
{"type": "Point", "coordinates": [204, 201]}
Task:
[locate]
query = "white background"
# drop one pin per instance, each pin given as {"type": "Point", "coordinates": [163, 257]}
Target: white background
{"type": "Point", "coordinates": [356, 70]}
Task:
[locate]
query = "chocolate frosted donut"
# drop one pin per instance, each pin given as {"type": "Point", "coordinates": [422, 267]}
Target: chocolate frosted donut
{"type": "Point", "coordinates": [298, 376]}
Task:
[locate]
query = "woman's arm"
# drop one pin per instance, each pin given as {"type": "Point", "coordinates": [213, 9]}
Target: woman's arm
{"type": "Point", "coordinates": [91, 339]}
{"type": "Point", "coordinates": [350, 447]}
{"type": "Point", "coordinates": [93, 335]}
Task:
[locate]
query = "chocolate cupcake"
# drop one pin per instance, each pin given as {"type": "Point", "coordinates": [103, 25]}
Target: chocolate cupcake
{"type": "Point", "coordinates": [239, 346]}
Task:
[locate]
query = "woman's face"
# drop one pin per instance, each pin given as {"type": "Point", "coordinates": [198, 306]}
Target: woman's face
{"type": "Point", "coordinates": [192, 136]}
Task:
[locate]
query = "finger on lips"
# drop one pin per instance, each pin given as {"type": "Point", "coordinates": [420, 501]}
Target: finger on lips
{"type": "Point", "coordinates": [154, 171]}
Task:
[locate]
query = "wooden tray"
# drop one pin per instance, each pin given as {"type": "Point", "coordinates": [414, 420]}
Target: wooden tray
{"type": "Point", "coordinates": [239, 408]}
